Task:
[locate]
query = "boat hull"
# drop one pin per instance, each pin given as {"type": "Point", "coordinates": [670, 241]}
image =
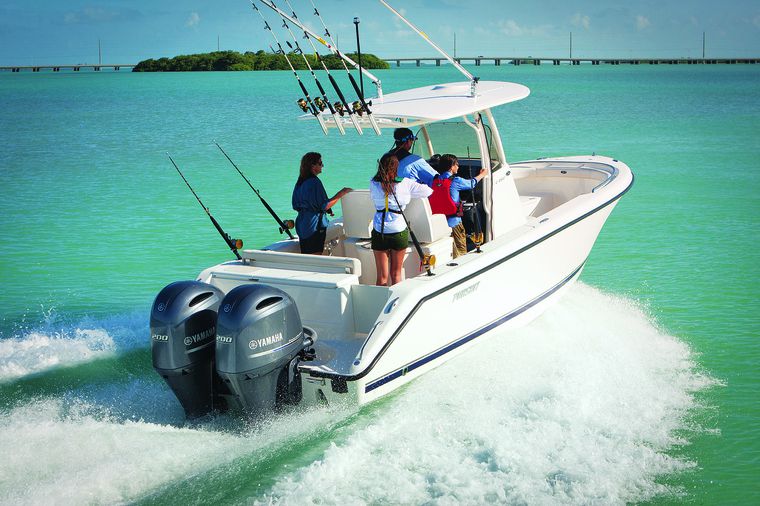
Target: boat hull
{"type": "Point", "coordinates": [507, 286]}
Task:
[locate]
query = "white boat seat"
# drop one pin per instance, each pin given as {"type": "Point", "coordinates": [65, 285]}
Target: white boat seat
{"type": "Point", "coordinates": [299, 262]}
{"type": "Point", "coordinates": [358, 213]}
{"type": "Point", "coordinates": [428, 227]}
{"type": "Point", "coordinates": [432, 230]}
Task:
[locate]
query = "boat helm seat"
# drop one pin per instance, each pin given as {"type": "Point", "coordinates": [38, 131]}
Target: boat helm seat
{"type": "Point", "coordinates": [358, 213]}
{"type": "Point", "coordinates": [428, 227]}
{"type": "Point", "coordinates": [432, 231]}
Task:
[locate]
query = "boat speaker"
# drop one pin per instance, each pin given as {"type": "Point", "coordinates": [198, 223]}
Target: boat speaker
{"type": "Point", "coordinates": [183, 332]}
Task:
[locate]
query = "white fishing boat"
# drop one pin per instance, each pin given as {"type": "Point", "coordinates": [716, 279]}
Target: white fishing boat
{"type": "Point", "coordinates": [278, 327]}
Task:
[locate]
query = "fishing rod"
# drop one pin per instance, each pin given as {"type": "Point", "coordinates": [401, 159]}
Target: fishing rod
{"type": "Point", "coordinates": [477, 236]}
{"type": "Point", "coordinates": [305, 105]}
{"type": "Point", "coordinates": [426, 261]}
{"type": "Point", "coordinates": [325, 100]}
{"type": "Point", "coordinates": [358, 91]}
{"type": "Point", "coordinates": [234, 244]}
{"type": "Point", "coordinates": [285, 226]}
{"type": "Point", "coordinates": [341, 106]}
{"type": "Point", "coordinates": [360, 106]}
{"type": "Point", "coordinates": [473, 80]}
{"type": "Point", "coordinates": [333, 48]}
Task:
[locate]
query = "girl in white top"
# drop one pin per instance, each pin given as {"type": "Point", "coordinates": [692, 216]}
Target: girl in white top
{"type": "Point", "coordinates": [390, 235]}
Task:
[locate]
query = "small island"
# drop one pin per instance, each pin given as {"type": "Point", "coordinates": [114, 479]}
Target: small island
{"type": "Point", "coordinates": [260, 60]}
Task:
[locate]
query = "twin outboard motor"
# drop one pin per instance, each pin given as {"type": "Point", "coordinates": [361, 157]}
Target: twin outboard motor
{"type": "Point", "coordinates": [235, 351]}
{"type": "Point", "coordinates": [259, 341]}
{"type": "Point", "coordinates": [183, 336]}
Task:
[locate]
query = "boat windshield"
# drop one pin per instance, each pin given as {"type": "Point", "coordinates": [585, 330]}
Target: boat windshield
{"type": "Point", "coordinates": [455, 137]}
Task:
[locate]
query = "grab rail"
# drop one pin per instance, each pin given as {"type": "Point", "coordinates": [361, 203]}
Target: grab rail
{"type": "Point", "coordinates": [610, 176]}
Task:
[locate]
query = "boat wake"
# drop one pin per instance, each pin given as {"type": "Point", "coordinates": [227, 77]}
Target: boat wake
{"type": "Point", "coordinates": [54, 346]}
{"type": "Point", "coordinates": [590, 403]}
{"type": "Point", "coordinates": [582, 406]}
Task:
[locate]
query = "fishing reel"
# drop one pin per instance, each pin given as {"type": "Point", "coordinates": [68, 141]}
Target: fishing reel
{"type": "Point", "coordinates": [477, 239]}
{"type": "Point", "coordinates": [235, 243]}
{"type": "Point", "coordinates": [321, 105]}
{"type": "Point", "coordinates": [339, 108]}
{"type": "Point", "coordinates": [303, 104]}
{"type": "Point", "coordinates": [289, 225]}
{"type": "Point", "coordinates": [359, 108]}
{"type": "Point", "coordinates": [427, 262]}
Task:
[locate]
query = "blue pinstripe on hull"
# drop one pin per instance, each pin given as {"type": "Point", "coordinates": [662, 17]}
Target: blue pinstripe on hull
{"type": "Point", "coordinates": [466, 339]}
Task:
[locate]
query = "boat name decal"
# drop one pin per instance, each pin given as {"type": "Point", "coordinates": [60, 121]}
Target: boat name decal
{"type": "Point", "coordinates": [223, 339]}
{"type": "Point", "coordinates": [159, 337]}
{"type": "Point", "coordinates": [265, 341]}
{"type": "Point", "coordinates": [467, 291]}
{"type": "Point", "coordinates": [200, 336]}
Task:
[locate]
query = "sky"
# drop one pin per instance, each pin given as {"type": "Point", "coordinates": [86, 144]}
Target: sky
{"type": "Point", "coordinates": [44, 32]}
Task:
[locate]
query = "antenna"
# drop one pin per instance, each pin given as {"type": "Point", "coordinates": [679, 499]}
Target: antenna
{"type": "Point", "coordinates": [332, 48]}
{"type": "Point", "coordinates": [473, 80]}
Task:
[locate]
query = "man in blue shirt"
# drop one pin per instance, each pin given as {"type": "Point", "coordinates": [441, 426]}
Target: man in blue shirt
{"type": "Point", "coordinates": [411, 166]}
{"type": "Point", "coordinates": [448, 166]}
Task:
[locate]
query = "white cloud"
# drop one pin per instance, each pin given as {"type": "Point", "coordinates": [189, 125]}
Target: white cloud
{"type": "Point", "coordinates": [642, 22]}
{"type": "Point", "coordinates": [511, 28]}
{"type": "Point", "coordinates": [193, 20]}
{"type": "Point", "coordinates": [581, 20]}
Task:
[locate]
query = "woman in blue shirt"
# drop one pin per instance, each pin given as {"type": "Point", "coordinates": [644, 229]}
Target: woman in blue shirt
{"type": "Point", "coordinates": [312, 203]}
{"type": "Point", "coordinates": [448, 166]}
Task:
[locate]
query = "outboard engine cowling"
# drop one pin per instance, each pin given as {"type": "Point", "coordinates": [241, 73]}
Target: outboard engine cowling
{"type": "Point", "coordinates": [183, 332]}
{"type": "Point", "coordinates": [259, 340]}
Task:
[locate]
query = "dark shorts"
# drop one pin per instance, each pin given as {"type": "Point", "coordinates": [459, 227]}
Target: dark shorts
{"type": "Point", "coordinates": [397, 242]}
{"type": "Point", "coordinates": [315, 243]}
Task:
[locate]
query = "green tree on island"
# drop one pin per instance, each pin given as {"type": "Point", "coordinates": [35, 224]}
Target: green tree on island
{"type": "Point", "coordinates": [260, 60]}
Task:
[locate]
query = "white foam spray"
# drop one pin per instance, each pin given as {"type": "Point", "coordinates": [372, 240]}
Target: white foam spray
{"type": "Point", "coordinates": [581, 407]}
{"type": "Point", "coordinates": [37, 351]}
{"type": "Point", "coordinates": [58, 451]}
{"type": "Point", "coordinates": [59, 345]}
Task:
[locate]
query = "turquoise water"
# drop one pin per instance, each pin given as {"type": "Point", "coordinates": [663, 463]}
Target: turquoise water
{"type": "Point", "coordinates": [641, 385]}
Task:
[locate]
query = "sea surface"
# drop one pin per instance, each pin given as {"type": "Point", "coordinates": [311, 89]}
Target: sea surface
{"type": "Point", "coordinates": [640, 386]}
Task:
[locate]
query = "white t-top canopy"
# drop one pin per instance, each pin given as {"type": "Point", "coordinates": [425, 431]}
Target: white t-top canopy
{"type": "Point", "coordinates": [435, 103]}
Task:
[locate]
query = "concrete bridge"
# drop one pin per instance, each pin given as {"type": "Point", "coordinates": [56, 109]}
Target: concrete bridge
{"type": "Point", "coordinates": [497, 60]}
{"type": "Point", "coordinates": [57, 68]}
{"type": "Point", "coordinates": [514, 60]}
